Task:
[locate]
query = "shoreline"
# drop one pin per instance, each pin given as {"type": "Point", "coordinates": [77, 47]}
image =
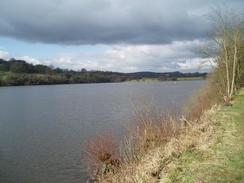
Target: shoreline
{"type": "Point", "coordinates": [132, 81]}
{"type": "Point", "coordinates": [211, 150]}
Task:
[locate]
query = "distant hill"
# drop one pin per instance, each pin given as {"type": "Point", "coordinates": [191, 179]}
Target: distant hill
{"type": "Point", "coordinates": [19, 72]}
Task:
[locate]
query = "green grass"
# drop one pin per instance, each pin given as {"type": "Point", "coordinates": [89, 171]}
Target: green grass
{"type": "Point", "coordinates": [169, 79]}
{"type": "Point", "coordinates": [189, 78]}
{"type": "Point", "coordinates": [144, 80]}
{"type": "Point", "coordinates": [223, 159]}
{"type": "Point", "coordinates": [3, 75]}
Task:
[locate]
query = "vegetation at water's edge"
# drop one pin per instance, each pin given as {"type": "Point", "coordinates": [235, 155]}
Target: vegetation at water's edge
{"type": "Point", "coordinates": [204, 145]}
{"type": "Point", "coordinates": [18, 72]}
{"type": "Point", "coordinates": [210, 149]}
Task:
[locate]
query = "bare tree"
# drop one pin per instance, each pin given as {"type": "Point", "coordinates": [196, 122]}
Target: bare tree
{"type": "Point", "coordinates": [228, 37]}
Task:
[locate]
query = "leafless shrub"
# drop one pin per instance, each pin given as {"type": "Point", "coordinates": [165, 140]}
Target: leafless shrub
{"type": "Point", "coordinates": [101, 155]}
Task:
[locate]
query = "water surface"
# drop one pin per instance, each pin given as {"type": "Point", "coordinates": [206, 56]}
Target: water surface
{"type": "Point", "coordinates": [42, 128]}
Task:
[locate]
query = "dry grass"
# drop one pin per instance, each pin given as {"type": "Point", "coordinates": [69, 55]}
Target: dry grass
{"type": "Point", "coordinates": [151, 128]}
{"type": "Point", "coordinates": [101, 155]}
{"type": "Point", "coordinates": [153, 165]}
{"type": "Point", "coordinates": [153, 140]}
{"type": "Point", "coordinates": [202, 104]}
{"type": "Point", "coordinates": [201, 101]}
{"type": "Point", "coordinates": [148, 129]}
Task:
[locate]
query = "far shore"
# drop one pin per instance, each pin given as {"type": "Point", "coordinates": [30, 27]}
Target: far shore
{"type": "Point", "coordinates": [169, 79]}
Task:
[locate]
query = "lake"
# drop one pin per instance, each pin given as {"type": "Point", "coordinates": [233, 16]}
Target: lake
{"type": "Point", "coordinates": [42, 128]}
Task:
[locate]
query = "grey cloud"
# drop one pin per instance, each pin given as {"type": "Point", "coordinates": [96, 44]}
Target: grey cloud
{"type": "Point", "coordinates": [104, 21]}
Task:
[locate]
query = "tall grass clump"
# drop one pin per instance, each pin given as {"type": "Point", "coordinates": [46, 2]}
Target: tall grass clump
{"type": "Point", "coordinates": [149, 129]}
{"type": "Point", "coordinates": [101, 155]}
{"type": "Point", "coordinates": [201, 100]}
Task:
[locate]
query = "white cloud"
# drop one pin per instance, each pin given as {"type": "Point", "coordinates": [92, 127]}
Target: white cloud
{"type": "Point", "coordinates": [196, 64]}
{"type": "Point", "coordinates": [4, 54]}
{"type": "Point", "coordinates": [179, 55]}
{"type": "Point", "coordinates": [30, 59]}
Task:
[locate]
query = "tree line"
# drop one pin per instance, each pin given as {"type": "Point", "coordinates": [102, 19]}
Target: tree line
{"type": "Point", "coordinates": [18, 72]}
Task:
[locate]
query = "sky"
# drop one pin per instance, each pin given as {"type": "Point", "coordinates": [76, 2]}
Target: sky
{"type": "Point", "coordinates": [111, 35]}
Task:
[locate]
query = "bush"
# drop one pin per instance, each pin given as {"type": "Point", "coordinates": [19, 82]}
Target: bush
{"type": "Point", "coordinates": [101, 155]}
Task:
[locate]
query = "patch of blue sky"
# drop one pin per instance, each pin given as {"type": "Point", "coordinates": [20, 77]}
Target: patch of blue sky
{"type": "Point", "coordinates": [18, 48]}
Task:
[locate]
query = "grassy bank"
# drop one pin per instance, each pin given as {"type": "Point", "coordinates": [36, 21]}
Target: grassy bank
{"type": "Point", "coordinates": [221, 157]}
{"type": "Point", "coordinates": [206, 143]}
{"type": "Point", "coordinates": [210, 150]}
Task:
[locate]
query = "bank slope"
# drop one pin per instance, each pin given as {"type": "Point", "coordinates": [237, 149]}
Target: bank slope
{"type": "Point", "coordinates": [211, 150]}
{"type": "Point", "coordinates": [221, 157]}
